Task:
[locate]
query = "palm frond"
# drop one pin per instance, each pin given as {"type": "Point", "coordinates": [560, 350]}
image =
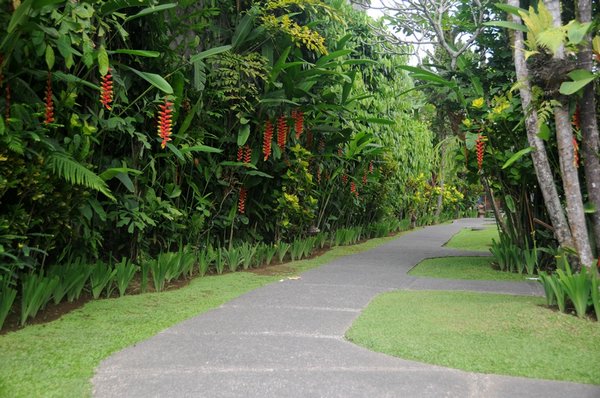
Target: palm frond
{"type": "Point", "coordinates": [74, 172]}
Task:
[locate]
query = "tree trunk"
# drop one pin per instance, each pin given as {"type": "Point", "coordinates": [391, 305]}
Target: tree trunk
{"type": "Point", "coordinates": [539, 155]}
{"type": "Point", "coordinates": [590, 144]}
{"type": "Point", "coordinates": [566, 155]}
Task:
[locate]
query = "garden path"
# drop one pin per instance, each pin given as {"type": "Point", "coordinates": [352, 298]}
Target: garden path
{"type": "Point", "coordinates": [287, 339]}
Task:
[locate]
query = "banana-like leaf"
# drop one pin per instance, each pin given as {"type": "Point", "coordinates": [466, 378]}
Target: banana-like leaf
{"type": "Point", "coordinates": [517, 156]}
{"type": "Point", "coordinates": [209, 53]}
{"type": "Point", "coordinates": [507, 25]}
{"type": "Point", "coordinates": [156, 80]}
{"type": "Point", "coordinates": [151, 10]}
{"type": "Point", "coordinates": [137, 53]}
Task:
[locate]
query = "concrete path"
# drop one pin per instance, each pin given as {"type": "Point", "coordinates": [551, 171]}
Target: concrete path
{"type": "Point", "coordinates": [287, 339]}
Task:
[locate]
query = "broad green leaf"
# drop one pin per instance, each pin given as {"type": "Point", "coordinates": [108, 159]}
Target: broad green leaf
{"type": "Point", "coordinates": [176, 151]}
{"type": "Point", "coordinates": [114, 171]}
{"type": "Point", "coordinates": [576, 31]}
{"type": "Point", "coordinates": [581, 78]}
{"type": "Point", "coordinates": [139, 53]}
{"type": "Point", "coordinates": [102, 60]}
{"type": "Point", "coordinates": [63, 44]}
{"type": "Point", "coordinates": [507, 25]}
{"type": "Point", "coordinates": [243, 134]}
{"type": "Point", "coordinates": [331, 56]}
{"type": "Point", "coordinates": [126, 181]}
{"type": "Point", "coordinates": [209, 53]}
{"type": "Point", "coordinates": [243, 29]}
{"type": "Point", "coordinates": [74, 79]}
{"type": "Point", "coordinates": [19, 16]}
{"type": "Point", "coordinates": [189, 117]}
{"type": "Point", "coordinates": [114, 5]}
{"type": "Point", "coordinates": [200, 148]}
{"type": "Point", "coordinates": [510, 203]}
{"type": "Point", "coordinates": [156, 80]}
{"type": "Point", "coordinates": [151, 10]}
{"type": "Point", "coordinates": [258, 174]}
{"type": "Point", "coordinates": [510, 9]}
{"type": "Point", "coordinates": [517, 156]}
{"type": "Point", "coordinates": [544, 132]}
{"type": "Point", "coordinates": [49, 57]}
{"type": "Point", "coordinates": [552, 39]}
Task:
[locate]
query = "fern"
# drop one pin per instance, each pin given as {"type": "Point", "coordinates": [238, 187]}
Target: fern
{"type": "Point", "coordinates": [75, 173]}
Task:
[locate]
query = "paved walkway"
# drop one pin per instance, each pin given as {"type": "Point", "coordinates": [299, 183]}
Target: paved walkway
{"type": "Point", "coordinates": [287, 339]}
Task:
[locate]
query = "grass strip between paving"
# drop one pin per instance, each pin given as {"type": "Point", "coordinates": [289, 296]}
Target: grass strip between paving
{"type": "Point", "coordinates": [479, 332]}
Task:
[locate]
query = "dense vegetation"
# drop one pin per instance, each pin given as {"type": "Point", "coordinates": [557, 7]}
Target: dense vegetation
{"type": "Point", "coordinates": [193, 137]}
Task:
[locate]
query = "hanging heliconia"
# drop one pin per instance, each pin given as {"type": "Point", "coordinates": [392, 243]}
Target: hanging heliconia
{"type": "Point", "coordinates": [242, 200]}
{"type": "Point", "coordinates": [576, 121]}
{"type": "Point", "coordinates": [240, 153]}
{"type": "Point", "coordinates": [576, 150]}
{"type": "Point", "coordinates": [282, 132]}
{"type": "Point", "coordinates": [49, 102]}
{"type": "Point", "coordinates": [353, 189]}
{"type": "Point", "coordinates": [321, 145]}
{"type": "Point", "coordinates": [309, 138]}
{"type": "Point", "coordinates": [340, 151]}
{"type": "Point", "coordinates": [480, 147]}
{"type": "Point", "coordinates": [298, 117]}
{"type": "Point", "coordinates": [106, 90]}
{"type": "Point", "coordinates": [371, 168]}
{"type": "Point", "coordinates": [247, 154]}
{"type": "Point", "coordinates": [165, 124]}
{"type": "Point", "coordinates": [345, 178]}
{"type": "Point", "coordinates": [364, 179]}
{"type": "Point", "coordinates": [319, 172]}
{"type": "Point", "coordinates": [267, 139]}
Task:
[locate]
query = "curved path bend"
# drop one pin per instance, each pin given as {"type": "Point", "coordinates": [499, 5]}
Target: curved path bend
{"type": "Point", "coordinates": [287, 339]}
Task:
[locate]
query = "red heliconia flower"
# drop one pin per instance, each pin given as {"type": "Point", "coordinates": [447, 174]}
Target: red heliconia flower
{"type": "Point", "coordinates": [165, 124]}
{"type": "Point", "coordinates": [309, 138]}
{"type": "Point", "coordinates": [480, 147]}
{"type": "Point", "coordinates": [247, 154]}
{"type": "Point", "coordinates": [364, 179]}
{"type": "Point", "coordinates": [576, 121]}
{"type": "Point", "coordinates": [282, 130]}
{"type": "Point", "coordinates": [345, 178]}
{"type": "Point", "coordinates": [49, 113]}
{"type": "Point", "coordinates": [340, 151]}
{"type": "Point", "coordinates": [240, 153]}
{"type": "Point", "coordinates": [267, 139]}
{"type": "Point", "coordinates": [321, 145]}
{"type": "Point", "coordinates": [576, 150]}
{"type": "Point", "coordinates": [106, 90]}
{"type": "Point", "coordinates": [371, 167]}
{"type": "Point", "coordinates": [298, 117]}
{"type": "Point", "coordinates": [242, 200]}
{"type": "Point", "coordinates": [353, 189]}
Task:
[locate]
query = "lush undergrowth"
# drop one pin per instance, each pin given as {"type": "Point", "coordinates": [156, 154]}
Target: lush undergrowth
{"type": "Point", "coordinates": [477, 240]}
{"type": "Point", "coordinates": [485, 333]}
{"type": "Point", "coordinates": [472, 268]}
{"type": "Point", "coordinates": [57, 359]}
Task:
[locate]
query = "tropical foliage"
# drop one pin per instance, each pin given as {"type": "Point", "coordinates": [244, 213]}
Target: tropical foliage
{"type": "Point", "coordinates": [148, 136]}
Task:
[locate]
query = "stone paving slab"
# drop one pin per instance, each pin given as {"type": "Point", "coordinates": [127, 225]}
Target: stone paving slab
{"type": "Point", "coordinates": [287, 339]}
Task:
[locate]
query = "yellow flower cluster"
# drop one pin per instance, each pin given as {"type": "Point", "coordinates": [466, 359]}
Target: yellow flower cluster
{"type": "Point", "coordinates": [300, 35]}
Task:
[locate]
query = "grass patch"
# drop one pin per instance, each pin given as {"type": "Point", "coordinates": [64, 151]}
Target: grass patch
{"type": "Point", "coordinates": [471, 268]}
{"type": "Point", "coordinates": [476, 240]}
{"type": "Point", "coordinates": [58, 359]}
{"type": "Point", "coordinates": [488, 333]}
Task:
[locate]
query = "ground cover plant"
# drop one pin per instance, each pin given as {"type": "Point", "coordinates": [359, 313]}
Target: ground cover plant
{"type": "Point", "coordinates": [58, 358]}
{"type": "Point", "coordinates": [478, 332]}
{"type": "Point", "coordinates": [471, 268]}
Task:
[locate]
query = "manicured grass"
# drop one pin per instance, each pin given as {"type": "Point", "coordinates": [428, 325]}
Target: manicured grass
{"type": "Point", "coordinates": [478, 240]}
{"type": "Point", "coordinates": [479, 332]}
{"type": "Point", "coordinates": [472, 268]}
{"type": "Point", "coordinates": [58, 359]}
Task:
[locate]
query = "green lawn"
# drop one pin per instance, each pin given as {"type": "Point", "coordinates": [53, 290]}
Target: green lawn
{"type": "Point", "coordinates": [57, 359]}
{"type": "Point", "coordinates": [478, 240]}
{"type": "Point", "coordinates": [479, 332]}
{"type": "Point", "coordinates": [471, 268]}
